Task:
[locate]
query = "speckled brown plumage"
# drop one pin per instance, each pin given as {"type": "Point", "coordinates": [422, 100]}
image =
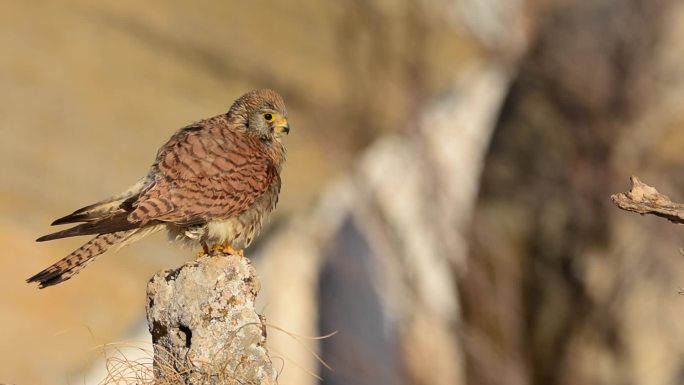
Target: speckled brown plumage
{"type": "Point", "coordinates": [212, 183]}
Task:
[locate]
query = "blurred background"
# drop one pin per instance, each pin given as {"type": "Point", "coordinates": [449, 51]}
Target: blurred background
{"type": "Point", "coordinates": [445, 205]}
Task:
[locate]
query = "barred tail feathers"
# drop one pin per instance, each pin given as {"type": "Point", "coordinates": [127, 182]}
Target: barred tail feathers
{"type": "Point", "coordinates": [70, 265]}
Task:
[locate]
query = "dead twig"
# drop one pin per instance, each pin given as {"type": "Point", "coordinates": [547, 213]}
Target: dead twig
{"type": "Point", "coordinates": [644, 199]}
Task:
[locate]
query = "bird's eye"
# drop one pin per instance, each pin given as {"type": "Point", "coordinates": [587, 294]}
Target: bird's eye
{"type": "Point", "coordinates": [268, 117]}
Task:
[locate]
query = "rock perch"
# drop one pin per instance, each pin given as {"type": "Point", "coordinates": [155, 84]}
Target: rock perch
{"type": "Point", "coordinates": [204, 327]}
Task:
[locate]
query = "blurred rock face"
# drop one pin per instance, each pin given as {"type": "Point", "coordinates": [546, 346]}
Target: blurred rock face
{"type": "Point", "coordinates": [385, 246]}
{"type": "Point", "coordinates": [558, 279]}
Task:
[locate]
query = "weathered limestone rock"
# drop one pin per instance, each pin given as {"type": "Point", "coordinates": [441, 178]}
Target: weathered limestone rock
{"type": "Point", "coordinates": [204, 327]}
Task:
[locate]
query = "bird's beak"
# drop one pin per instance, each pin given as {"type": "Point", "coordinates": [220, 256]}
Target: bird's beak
{"type": "Point", "coordinates": [281, 125]}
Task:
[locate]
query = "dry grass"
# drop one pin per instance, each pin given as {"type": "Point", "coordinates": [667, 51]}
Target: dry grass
{"type": "Point", "coordinates": [167, 369]}
{"type": "Point", "coordinates": [299, 339]}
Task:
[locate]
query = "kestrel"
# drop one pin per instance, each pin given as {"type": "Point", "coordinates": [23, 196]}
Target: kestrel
{"type": "Point", "coordinates": [213, 183]}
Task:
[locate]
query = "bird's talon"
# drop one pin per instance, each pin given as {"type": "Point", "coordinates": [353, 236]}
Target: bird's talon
{"type": "Point", "coordinates": [226, 249]}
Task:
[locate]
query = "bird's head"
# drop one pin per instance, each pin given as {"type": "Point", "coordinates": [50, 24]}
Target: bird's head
{"type": "Point", "coordinates": [260, 113]}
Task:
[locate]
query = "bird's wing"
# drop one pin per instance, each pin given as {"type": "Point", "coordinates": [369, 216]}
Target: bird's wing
{"type": "Point", "coordinates": [203, 175]}
{"type": "Point", "coordinates": [111, 223]}
{"type": "Point", "coordinates": [105, 207]}
{"type": "Point", "coordinates": [107, 216]}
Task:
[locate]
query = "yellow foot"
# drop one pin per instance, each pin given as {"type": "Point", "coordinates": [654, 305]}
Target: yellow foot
{"type": "Point", "coordinates": [227, 249]}
{"type": "Point", "coordinates": [201, 253]}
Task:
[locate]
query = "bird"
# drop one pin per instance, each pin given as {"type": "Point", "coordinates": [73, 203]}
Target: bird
{"type": "Point", "coordinates": [213, 184]}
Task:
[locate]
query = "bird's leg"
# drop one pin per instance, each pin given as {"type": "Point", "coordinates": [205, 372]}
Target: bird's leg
{"type": "Point", "coordinates": [204, 251]}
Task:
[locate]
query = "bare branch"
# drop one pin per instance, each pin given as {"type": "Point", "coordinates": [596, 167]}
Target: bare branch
{"type": "Point", "coordinates": [644, 199]}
